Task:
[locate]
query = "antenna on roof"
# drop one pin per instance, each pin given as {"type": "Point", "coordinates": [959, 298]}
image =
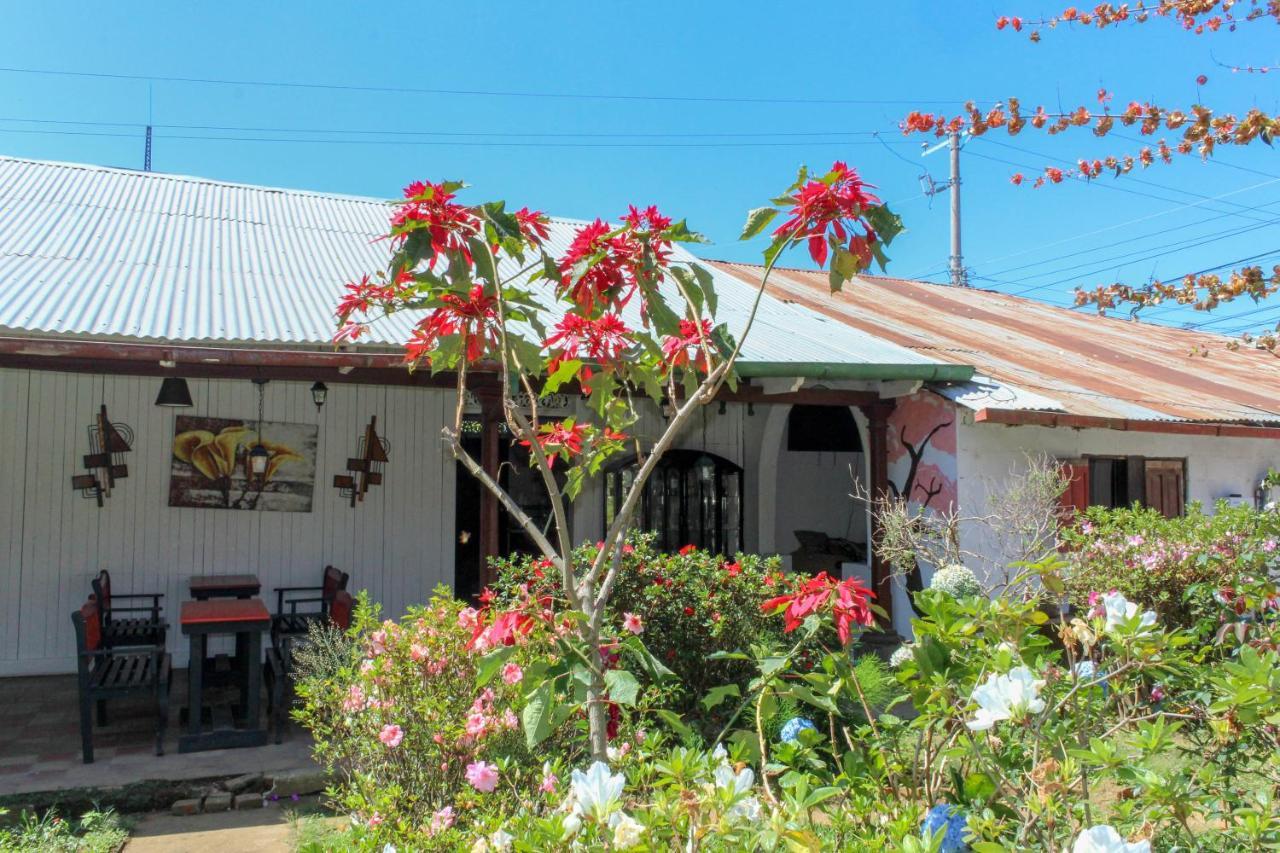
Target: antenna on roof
{"type": "Point", "coordinates": [146, 154]}
{"type": "Point", "coordinates": [959, 275]}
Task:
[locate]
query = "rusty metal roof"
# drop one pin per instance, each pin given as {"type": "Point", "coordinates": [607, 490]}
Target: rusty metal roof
{"type": "Point", "coordinates": [1034, 357]}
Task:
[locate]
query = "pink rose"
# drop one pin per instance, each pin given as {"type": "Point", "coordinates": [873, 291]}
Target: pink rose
{"type": "Point", "coordinates": [391, 735]}
{"type": "Point", "coordinates": [482, 776]}
{"type": "Point", "coordinates": [512, 673]}
{"type": "Point", "coordinates": [633, 623]}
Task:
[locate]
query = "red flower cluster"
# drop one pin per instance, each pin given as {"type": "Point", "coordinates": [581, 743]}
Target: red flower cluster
{"type": "Point", "coordinates": [560, 438]}
{"type": "Point", "coordinates": [834, 203]}
{"type": "Point", "coordinates": [505, 629]}
{"type": "Point", "coordinates": [474, 318]}
{"type": "Point", "coordinates": [431, 206]}
{"type": "Point", "coordinates": [602, 340]}
{"type": "Point", "coordinates": [676, 349]}
{"type": "Point", "coordinates": [848, 600]}
{"type": "Point", "coordinates": [533, 225]}
{"type": "Point", "coordinates": [611, 263]}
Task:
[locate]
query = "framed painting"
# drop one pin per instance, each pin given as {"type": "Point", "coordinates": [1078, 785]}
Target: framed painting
{"type": "Point", "coordinates": [210, 465]}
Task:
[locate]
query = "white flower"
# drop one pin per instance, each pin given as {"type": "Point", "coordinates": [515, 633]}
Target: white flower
{"type": "Point", "coordinates": [719, 754]}
{"type": "Point", "coordinates": [500, 840]}
{"type": "Point", "coordinates": [388, 848]}
{"type": "Point", "coordinates": [956, 581]}
{"type": "Point", "coordinates": [901, 655]}
{"type": "Point", "coordinates": [626, 831]}
{"type": "Point", "coordinates": [1104, 839]}
{"type": "Point", "coordinates": [597, 791]}
{"type": "Point", "coordinates": [480, 846]}
{"type": "Point", "coordinates": [1121, 610]}
{"type": "Point", "coordinates": [739, 783]}
{"type": "Point", "coordinates": [1003, 697]}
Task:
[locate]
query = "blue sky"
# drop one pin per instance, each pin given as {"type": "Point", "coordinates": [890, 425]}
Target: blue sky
{"type": "Point", "coordinates": [703, 128]}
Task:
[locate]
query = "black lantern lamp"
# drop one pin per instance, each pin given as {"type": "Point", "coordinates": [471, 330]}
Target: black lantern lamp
{"type": "Point", "coordinates": [705, 468]}
{"type": "Point", "coordinates": [174, 393]}
{"type": "Point", "coordinates": [258, 454]}
{"type": "Point", "coordinates": [319, 392]}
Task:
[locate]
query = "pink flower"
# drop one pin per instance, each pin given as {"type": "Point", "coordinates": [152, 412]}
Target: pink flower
{"type": "Point", "coordinates": [1269, 545]}
{"type": "Point", "coordinates": [442, 820]}
{"type": "Point", "coordinates": [482, 776]}
{"type": "Point", "coordinates": [509, 719]}
{"type": "Point", "coordinates": [512, 673]}
{"type": "Point", "coordinates": [355, 699]}
{"type": "Point", "coordinates": [377, 643]}
{"type": "Point", "coordinates": [418, 652]}
{"type": "Point", "coordinates": [549, 780]}
{"type": "Point", "coordinates": [391, 735]}
{"type": "Point", "coordinates": [477, 723]}
{"type": "Point", "coordinates": [375, 820]}
{"type": "Point", "coordinates": [633, 623]}
{"type": "Point", "coordinates": [467, 617]}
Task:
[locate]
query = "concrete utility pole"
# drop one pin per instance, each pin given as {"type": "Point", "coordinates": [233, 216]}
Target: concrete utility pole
{"type": "Point", "coordinates": [955, 263]}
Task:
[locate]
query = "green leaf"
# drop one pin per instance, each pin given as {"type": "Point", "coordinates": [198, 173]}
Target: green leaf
{"type": "Point", "coordinates": [978, 786]}
{"type": "Point", "coordinates": [485, 268]}
{"type": "Point", "coordinates": [886, 223]}
{"type": "Point", "coordinates": [679, 232]}
{"type": "Point", "coordinates": [491, 663]}
{"type": "Point", "coordinates": [673, 721]}
{"type": "Point", "coordinates": [536, 715]}
{"type": "Point", "coordinates": [640, 653]}
{"type": "Point", "coordinates": [564, 372]}
{"type": "Point", "coordinates": [717, 695]}
{"type": "Point", "coordinates": [623, 686]}
{"type": "Point", "coordinates": [757, 221]}
{"type": "Point", "coordinates": [708, 283]}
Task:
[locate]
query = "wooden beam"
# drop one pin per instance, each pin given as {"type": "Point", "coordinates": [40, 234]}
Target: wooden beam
{"type": "Point", "coordinates": [877, 416]}
{"type": "Point", "coordinates": [801, 397]}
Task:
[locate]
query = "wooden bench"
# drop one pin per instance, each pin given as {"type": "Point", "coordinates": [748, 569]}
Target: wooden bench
{"type": "Point", "coordinates": [110, 673]}
{"type": "Point", "coordinates": [116, 630]}
{"type": "Point", "coordinates": [294, 623]}
{"type": "Point", "coordinates": [279, 666]}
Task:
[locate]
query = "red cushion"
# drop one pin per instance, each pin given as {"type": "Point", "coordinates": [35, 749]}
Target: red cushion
{"type": "Point", "coordinates": [332, 578]}
{"type": "Point", "coordinates": [92, 631]}
{"type": "Point", "coordinates": [340, 610]}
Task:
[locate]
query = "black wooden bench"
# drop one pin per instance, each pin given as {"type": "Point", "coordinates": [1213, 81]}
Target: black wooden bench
{"type": "Point", "coordinates": [111, 673]}
{"type": "Point", "coordinates": [292, 622]}
{"type": "Point", "coordinates": [146, 629]}
{"type": "Point", "coordinates": [278, 670]}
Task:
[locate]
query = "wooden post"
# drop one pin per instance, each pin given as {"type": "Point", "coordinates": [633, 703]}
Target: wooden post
{"type": "Point", "coordinates": [877, 415]}
{"type": "Point", "coordinates": [490, 422]}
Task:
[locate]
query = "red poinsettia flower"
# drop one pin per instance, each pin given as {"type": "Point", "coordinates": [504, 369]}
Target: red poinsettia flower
{"type": "Point", "coordinates": [686, 349]}
{"type": "Point", "coordinates": [533, 225]}
{"type": "Point", "coordinates": [601, 341]}
{"type": "Point", "coordinates": [560, 438]}
{"type": "Point", "coordinates": [605, 265]}
{"type": "Point", "coordinates": [504, 630]}
{"type": "Point", "coordinates": [431, 206]}
{"type": "Point", "coordinates": [836, 203]}
{"type": "Point", "coordinates": [847, 599]}
{"type": "Point", "coordinates": [474, 318]}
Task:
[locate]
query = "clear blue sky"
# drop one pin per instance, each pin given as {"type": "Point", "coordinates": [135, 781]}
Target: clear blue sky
{"type": "Point", "coordinates": [702, 159]}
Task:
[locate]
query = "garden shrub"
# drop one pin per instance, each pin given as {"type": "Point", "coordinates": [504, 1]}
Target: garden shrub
{"type": "Point", "coordinates": [1170, 565]}
{"type": "Point", "coordinates": [95, 832]}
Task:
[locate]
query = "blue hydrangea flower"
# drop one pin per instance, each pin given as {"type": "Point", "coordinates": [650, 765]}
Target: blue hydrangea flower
{"type": "Point", "coordinates": [792, 728]}
{"type": "Point", "coordinates": [950, 820]}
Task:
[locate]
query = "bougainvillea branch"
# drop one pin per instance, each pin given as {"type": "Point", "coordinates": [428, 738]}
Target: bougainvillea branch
{"type": "Point", "coordinates": [1196, 16]}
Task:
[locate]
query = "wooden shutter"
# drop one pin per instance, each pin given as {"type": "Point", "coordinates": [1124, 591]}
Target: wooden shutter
{"type": "Point", "coordinates": [1165, 483]}
{"type": "Point", "coordinates": [1076, 497]}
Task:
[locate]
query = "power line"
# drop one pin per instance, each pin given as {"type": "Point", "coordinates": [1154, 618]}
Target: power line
{"type": "Point", "coordinates": [487, 93]}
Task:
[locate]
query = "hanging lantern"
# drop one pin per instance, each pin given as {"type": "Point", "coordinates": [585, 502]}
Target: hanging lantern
{"type": "Point", "coordinates": [258, 454]}
{"type": "Point", "coordinates": [174, 393]}
{"type": "Point", "coordinates": [319, 392]}
{"type": "Point", "coordinates": [705, 468]}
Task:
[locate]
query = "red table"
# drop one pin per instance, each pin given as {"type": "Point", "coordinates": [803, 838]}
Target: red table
{"type": "Point", "coordinates": [224, 586]}
{"type": "Point", "coordinates": [247, 619]}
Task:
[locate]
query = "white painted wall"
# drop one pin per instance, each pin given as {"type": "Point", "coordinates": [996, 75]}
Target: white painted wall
{"type": "Point", "coordinates": [1216, 467]}
{"type": "Point", "coordinates": [397, 544]}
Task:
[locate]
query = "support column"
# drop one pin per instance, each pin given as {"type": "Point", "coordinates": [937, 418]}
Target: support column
{"type": "Point", "coordinates": [877, 415]}
{"type": "Point", "coordinates": [490, 452]}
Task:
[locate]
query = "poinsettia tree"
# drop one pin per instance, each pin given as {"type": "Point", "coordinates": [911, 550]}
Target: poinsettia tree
{"type": "Point", "coordinates": [615, 316]}
{"type": "Point", "coordinates": [1194, 129]}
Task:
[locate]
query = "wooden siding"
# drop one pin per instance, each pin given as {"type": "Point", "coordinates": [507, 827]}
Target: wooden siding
{"type": "Point", "coordinates": [398, 544]}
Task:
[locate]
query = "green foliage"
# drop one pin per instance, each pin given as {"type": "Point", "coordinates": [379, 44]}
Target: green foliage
{"type": "Point", "coordinates": [1170, 565]}
{"type": "Point", "coordinates": [95, 832]}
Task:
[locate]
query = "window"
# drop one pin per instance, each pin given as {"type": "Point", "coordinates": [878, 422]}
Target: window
{"type": "Point", "coordinates": [691, 498]}
{"type": "Point", "coordinates": [1117, 481]}
{"type": "Point", "coordinates": [828, 429]}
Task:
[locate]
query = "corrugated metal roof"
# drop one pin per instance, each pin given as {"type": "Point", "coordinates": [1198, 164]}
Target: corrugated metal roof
{"type": "Point", "coordinates": [1036, 357]}
{"type": "Point", "coordinates": [137, 256]}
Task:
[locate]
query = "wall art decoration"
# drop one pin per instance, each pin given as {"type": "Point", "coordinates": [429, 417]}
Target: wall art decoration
{"type": "Point", "coordinates": [108, 442]}
{"type": "Point", "coordinates": [366, 469]}
{"type": "Point", "coordinates": [212, 466]}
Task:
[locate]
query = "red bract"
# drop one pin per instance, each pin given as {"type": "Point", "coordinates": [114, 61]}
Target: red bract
{"type": "Point", "coordinates": [835, 203]}
{"type": "Point", "coordinates": [561, 438]}
{"type": "Point", "coordinates": [676, 349]}
{"type": "Point", "coordinates": [602, 340]}
{"type": "Point", "coordinates": [848, 600]}
{"type": "Point", "coordinates": [533, 225]}
{"type": "Point", "coordinates": [473, 318]}
{"type": "Point", "coordinates": [648, 219]}
{"type": "Point", "coordinates": [431, 206]}
{"type": "Point", "coordinates": [604, 266]}
{"type": "Point", "coordinates": [505, 630]}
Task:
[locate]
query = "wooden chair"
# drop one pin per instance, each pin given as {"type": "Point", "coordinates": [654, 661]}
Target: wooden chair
{"type": "Point", "coordinates": [291, 622]}
{"type": "Point", "coordinates": [147, 629]}
{"type": "Point", "coordinates": [110, 673]}
{"type": "Point", "coordinates": [278, 669]}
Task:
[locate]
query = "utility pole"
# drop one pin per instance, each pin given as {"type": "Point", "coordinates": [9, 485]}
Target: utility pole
{"type": "Point", "coordinates": [959, 277]}
{"type": "Point", "coordinates": [146, 154]}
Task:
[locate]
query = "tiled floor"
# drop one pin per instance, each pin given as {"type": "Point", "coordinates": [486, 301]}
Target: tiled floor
{"type": "Point", "coordinates": [40, 741]}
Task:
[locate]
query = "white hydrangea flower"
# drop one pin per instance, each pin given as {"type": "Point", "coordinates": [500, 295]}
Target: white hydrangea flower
{"type": "Point", "coordinates": [1120, 610]}
{"type": "Point", "coordinates": [597, 791]}
{"type": "Point", "coordinates": [901, 655]}
{"type": "Point", "coordinates": [1003, 697]}
{"type": "Point", "coordinates": [956, 581]}
{"type": "Point", "coordinates": [1105, 839]}
{"type": "Point", "coordinates": [627, 831]}
{"type": "Point", "coordinates": [500, 840]}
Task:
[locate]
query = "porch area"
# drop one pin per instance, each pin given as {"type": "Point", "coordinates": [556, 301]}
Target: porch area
{"type": "Point", "coordinates": [40, 749]}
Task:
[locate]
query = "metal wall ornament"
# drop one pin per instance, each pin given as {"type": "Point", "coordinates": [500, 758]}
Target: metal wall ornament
{"type": "Point", "coordinates": [108, 442]}
{"type": "Point", "coordinates": [366, 469]}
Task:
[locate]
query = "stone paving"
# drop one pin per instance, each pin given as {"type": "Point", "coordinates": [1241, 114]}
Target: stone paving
{"type": "Point", "coordinates": [40, 742]}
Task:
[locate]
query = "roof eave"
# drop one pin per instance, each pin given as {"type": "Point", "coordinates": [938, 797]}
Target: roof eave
{"type": "Point", "coordinates": [820, 370]}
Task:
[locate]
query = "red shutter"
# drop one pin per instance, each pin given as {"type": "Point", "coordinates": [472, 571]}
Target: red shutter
{"type": "Point", "coordinates": [1076, 497]}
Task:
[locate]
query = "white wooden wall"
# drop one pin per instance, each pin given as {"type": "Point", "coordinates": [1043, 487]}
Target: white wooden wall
{"type": "Point", "coordinates": [397, 544]}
